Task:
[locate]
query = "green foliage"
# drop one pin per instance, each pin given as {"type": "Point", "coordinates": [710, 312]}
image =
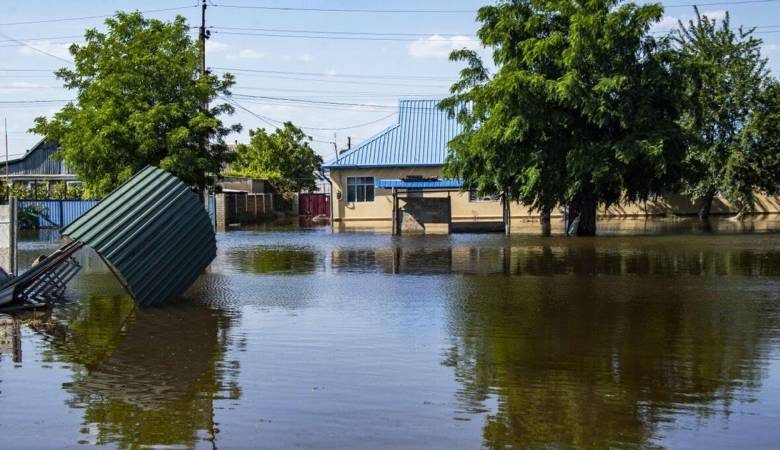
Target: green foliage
{"type": "Point", "coordinates": [754, 163]}
{"type": "Point", "coordinates": [725, 79]}
{"type": "Point", "coordinates": [581, 109]}
{"type": "Point", "coordinates": [139, 101]}
{"type": "Point", "coordinates": [283, 157]}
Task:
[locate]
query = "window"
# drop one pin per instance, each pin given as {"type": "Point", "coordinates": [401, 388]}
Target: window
{"type": "Point", "coordinates": [473, 197]}
{"type": "Point", "coordinates": [360, 189]}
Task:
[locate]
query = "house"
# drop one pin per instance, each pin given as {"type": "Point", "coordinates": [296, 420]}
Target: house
{"type": "Point", "coordinates": [398, 174]}
{"type": "Point", "coordinates": [394, 182]}
{"type": "Point", "coordinates": [38, 167]}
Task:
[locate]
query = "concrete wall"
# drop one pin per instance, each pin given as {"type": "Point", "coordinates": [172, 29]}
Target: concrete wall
{"type": "Point", "coordinates": [241, 208]}
{"type": "Point", "coordinates": [465, 214]}
{"type": "Point", "coordinates": [8, 236]}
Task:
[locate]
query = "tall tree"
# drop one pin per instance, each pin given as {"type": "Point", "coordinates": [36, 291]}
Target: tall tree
{"type": "Point", "coordinates": [725, 79]}
{"type": "Point", "coordinates": [581, 109]}
{"type": "Point", "coordinates": [139, 101]}
{"type": "Point", "coordinates": [283, 157]}
{"type": "Point", "coordinates": [754, 164]}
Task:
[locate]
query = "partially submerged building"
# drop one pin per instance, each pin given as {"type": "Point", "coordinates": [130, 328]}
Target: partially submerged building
{"type": "Point", "coordinates": [398, 173]}
{"type": "Point", "coordinates": [394, 182]}
{"type": "Point", "coordinates": [37, 167]}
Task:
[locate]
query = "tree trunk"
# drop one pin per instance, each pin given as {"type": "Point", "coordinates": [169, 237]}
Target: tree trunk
{"type": "Point", "coordinates": [706, 205]}
{"type": "Point", "coordinates": [507, 213]}
{"type": "Point", "coordinates": [544, 220]}
{"type": "Point", "coordinates": [584, 206]}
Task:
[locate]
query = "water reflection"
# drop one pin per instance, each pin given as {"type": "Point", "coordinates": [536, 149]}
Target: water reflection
{"type": "Point", "coordinates": [269, 260]}
{"type": "Point", "coordinates": [143, 377]}
{"type": "Point", "coordinates": [586, 257]}
{"type": "Point", "coordinates": [602, 362]}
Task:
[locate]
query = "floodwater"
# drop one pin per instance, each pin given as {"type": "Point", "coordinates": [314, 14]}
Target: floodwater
{"type": "Point", "coordinates": [306, 339]}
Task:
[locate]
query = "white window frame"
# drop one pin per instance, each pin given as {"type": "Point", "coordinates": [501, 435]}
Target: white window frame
{"type": "Point", "coordinates": [361, 185]}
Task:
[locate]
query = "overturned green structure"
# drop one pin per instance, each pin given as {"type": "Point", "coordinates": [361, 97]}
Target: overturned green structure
{"type": "Point", "coordinates": [153, 232]}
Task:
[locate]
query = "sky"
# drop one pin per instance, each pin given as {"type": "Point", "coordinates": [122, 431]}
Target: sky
{"type": "Point", "coordinates": [314, 68]}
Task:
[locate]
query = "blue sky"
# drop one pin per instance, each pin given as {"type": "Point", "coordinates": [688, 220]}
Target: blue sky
{"type": "Point", "coordinates": [412, 61]}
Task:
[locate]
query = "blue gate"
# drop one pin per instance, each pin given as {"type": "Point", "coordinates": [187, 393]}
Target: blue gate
{"type": "Point", "coordinates": [57, 213]}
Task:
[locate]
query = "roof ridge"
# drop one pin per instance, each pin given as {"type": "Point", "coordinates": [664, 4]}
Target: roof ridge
{"type": "Point", "coordinates": [419, 137]}
{"type": "Point", "coordinates": [366, 142]}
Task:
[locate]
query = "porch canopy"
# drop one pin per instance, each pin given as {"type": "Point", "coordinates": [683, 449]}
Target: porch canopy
{"type": "Point", "coordinates": [439, 185]}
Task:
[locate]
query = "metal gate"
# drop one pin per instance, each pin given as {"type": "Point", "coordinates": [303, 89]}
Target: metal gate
{"type": "Point", "coordinates": [314, 204]}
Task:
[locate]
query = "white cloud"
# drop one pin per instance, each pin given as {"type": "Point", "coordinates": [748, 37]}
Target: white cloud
{"type": "Point", "coordinates": [213, 46]}
{"type": "Point", "coordinates": [665, 24]}
{"type": "Point", "coordinates": [719, 14]}
{"type": "Point", "coordinates": [247, 53]}
{"type": "Point", "coordinates": [437, 46]}
{"type": "Point", "coordinates": [668, 23]}
{"type": "Point", "coordinates": [57, 49]}
{"type": "Point", "coordinates": [304, 58]}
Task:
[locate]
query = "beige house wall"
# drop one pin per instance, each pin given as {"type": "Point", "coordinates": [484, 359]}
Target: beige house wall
{"type": "Point", "coordinates": [377, 215]}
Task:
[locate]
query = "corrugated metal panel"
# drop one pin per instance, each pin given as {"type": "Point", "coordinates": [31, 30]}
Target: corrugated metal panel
{"type": "Point", "coordinates": [418, 139]}
{"type": "Point", "coordinates": [155, 233]}
{"type": "Point", "coordinates": [431, 184]}
{"type": "Point", "coordinates": [58, 213]}
{"type": "Point", "coordinates": [39, 160]}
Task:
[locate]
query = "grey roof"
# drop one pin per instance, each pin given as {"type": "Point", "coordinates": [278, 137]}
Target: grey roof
{"type": "Point", "coordinates": [418, 139]}
{"type": "Point", "coordinates": [155, 233]}
{"type": "Point", "coordinates": [38, 160]}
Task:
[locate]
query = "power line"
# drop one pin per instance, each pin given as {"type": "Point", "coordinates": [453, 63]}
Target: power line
{"type": "Point", "coordinates": [346, 10]}
{"type": "Point", "coordinates": [36, 49]}
{"type": "Point", "coordinates": [343, 75]}
{"type": "Point", "coordinates": [45, 38]}
{"type": "Point", "coordinates": [738, 2]}
{"type": "Point", "coordinates": [349, 93]}
{"type": "Point", "coordinates": [13, 102]}
{"type": "Point", "coordinates": [351, 127]}
{"type": "Point", "coordinates": [312, 101]}
{"type": "Point", "coordinates": [367, 33]}
{"type": "Point", "coordinates": [301, 36]}
{"type": "Point", "coordinates": [450, 11]}
{"type": "Point", "coordinates": [101, 16]}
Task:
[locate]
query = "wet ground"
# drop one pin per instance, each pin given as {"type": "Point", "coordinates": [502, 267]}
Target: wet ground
{"type": "Point", "coordinates": [301, 338]}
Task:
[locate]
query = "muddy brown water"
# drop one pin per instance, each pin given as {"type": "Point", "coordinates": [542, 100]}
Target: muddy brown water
{"type": "Point", "coordinates": [305, 339]}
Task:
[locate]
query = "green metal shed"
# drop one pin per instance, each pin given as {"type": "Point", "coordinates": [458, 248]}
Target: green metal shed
{"type": "Point", "coordinates": [153, 232]}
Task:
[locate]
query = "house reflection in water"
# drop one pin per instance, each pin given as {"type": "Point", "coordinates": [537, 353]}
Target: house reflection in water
{"type": "Point", "coordinates": [144, 377]}
{"type": "Point", "coordinates": [582, 258]}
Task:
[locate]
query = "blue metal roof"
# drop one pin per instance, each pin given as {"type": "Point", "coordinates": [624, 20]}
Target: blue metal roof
{"type": "Point", "coordinates": [428, 184]}
{"type": "Point", "coordinates": [418, 139]}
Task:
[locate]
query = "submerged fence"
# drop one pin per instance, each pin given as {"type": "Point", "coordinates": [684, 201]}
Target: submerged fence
{"type": "Point", "coordinates": [56, 213]}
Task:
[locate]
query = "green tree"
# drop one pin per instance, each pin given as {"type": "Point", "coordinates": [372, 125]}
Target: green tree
{"type": "Point", "coordinates": [139, 101]}
{"type": "Point", "coordinates": [580, 111]}
{"type": "Point", "coordinates": [283, 157]}
{"type": "Point", "coordinates": [755, 162]}
{"type": "Point", "coordinates": [725, 79]}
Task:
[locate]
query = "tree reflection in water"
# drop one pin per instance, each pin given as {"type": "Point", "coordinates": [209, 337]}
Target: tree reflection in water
{"type": "Point", "coordinates": [144, 377]}
{"type": "Point", "coordinates": [576, 357]}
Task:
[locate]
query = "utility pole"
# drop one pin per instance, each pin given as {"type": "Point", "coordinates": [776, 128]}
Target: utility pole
{"type": "Point", "coordinates": [202, 36]}
{"type": "Point", "coordinates": [7, 169]}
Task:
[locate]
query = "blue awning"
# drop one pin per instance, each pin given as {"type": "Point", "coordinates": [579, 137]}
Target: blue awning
{"type": "Point", "coordinates": [422, 184]}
